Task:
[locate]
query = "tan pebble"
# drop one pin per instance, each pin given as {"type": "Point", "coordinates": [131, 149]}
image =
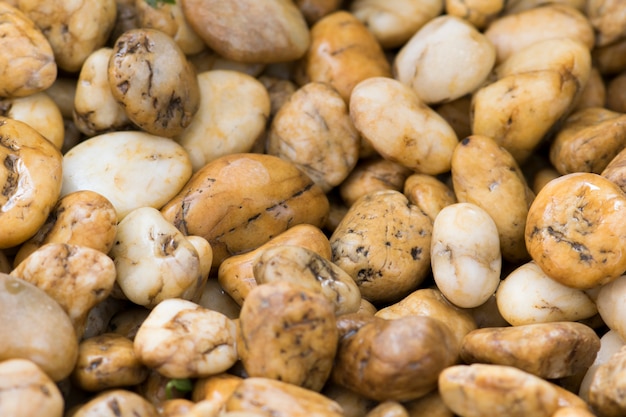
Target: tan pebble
{"type": "Point", "coordinates": [180, 339]}
{"type": "Point", "coordinates": [588, 141]}
{"type": "Point", "coordinates": [572, 412]}
{"type": "Point", "coordinates": [370, 175]}
{"type": "Point", "coordinates": [250, 30]}
{"type": "Point", "coordinates": [431, 405]}
{"type": "Point", "coordinates": [238, 202]}
{"type": "Point", "coordinates": [428, 193]}
{"type": "Point", "coordinates": [73, 30]}
{"type": "Point", "coordinates": [33, 326]}
{"type": "Point", "coordinates": [30, 177]}
{"type": "Point", "coordinates": [344, 52]}
{"type": "Point", "coordinates": [574, 230]}
{"type": "Point", "coordinates": [615, 170]}
{"type": "Point", "coordinates": [26, 390]}
{"type": "Point", "coordinates": [548, 350]}
{"type": "Point", "coordinates": [288, 332]}
{"type": "Point", "coordinates": [486, 175]}
{"type": "Point", "coordinates": [398, 124]}
{"type": "Point", "coordinates": [77, 277]}
{"type": "Point", "coordinates": [107, 361]}
{"type": "Point", "coordinates": [280, 399]}
{"type": "Point", "coordinates": [161, 102]}
{"type": "Point", "coordinates": [380, 226]}
{"type": "Point", "coordinates": [117, 403]}
{"type": "Point", "coordinates": [607, 385]}
{"type": "Point", "coordinates": [430, 302]}
{"type": "Point", "coordinates": [28, 64]}
{"type": "Point", "coordinates": [482, 390]}
{"type": "Point", "coordinates": [529, 95]}
{"type": "Point", "coordinates": [397, 360]}
{"type": "Point", "coordinates": [217, 388]}
{"type": "Point", "coordinates": [308, 269]}
{"type": "Point", "coordinates": [313, 129]}
{"type": "Point", "coordinates": [83, 218]}
{"type": "Point", "coordinates": [236, 273]}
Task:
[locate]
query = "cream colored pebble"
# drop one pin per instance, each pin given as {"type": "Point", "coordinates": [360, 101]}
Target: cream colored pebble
{"type": "Point", "coordinates": [394, 22]}
{"type": "Point", "coordinates": [388, 409]}
{"type": "Point", "coordinates": [393, 118]}
{"type": "Point", "coordinates": [154, 260]}
{"type": "Point", "coordinates": [180, 339]}
{"type": "Point", "coordinates": [95, 110]}
{"type": "Point", "coordinates": [465, 254]}
{"type": "Point", "coordinates": [445, 60]}
{"type": "Point", "coordinates": [516, 31]}
{"type": "Point", "coordinates": [234, 108]}
{"type": "Point", "coordinates": [610, 302]}
{"type": "Point", "coordinates": [610, 343]}
{"type": "Point", "coordinates": [131, 169]}
{"type": "Point", "coordinates": [527, 295]}
{"type": "Point", "coordinates": [205, 255]}
{"type": "Point", "coordinates": [38, 111]}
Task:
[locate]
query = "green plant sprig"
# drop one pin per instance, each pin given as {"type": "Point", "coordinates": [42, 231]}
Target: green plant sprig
{"type": "Point", "coordinates": [180, 385]}
{"type": "Point", "coordinates": [155, 3]}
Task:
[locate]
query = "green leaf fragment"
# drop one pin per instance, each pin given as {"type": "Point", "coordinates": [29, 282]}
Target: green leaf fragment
{"type": "Point", "coordinates": [181, 385]}
{"type": "Point", "coordinates": [155, 3]}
